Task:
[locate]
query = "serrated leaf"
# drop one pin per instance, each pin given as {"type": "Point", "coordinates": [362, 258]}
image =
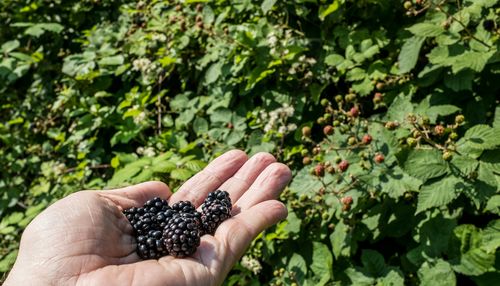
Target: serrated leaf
{"type": "Point", "coordinates": [440, 271]}
{"type": "Point", "coordinates": [464, 164]}
{"type": "Point", "coordinates": [341, 240]}
{"type": "Point", "coordinates": [468, 256]}
{"type": "Point", "coordinates": [409, 54]}
{"type": "Point", "coordinates": [195, 165]}
{"type": "Point", "coordinates": [482, 137]}
{"type": "Point", "coordinates": [475, 61]}
{"type": "Point", "coordinates": [438, 194]}
{"type": "Point", "coordinates": [493, 205]}
{"type": "Point", "coordinates": [491, 236]}
{"type": "Point", "coordinates": [426, 29]}
{"type": "Point", "coordinates": [491, 159]}
{"type": "Point", "coordinates": [322, 261]}
{"type": "Point", "coordinates": [181, 174]}
{"type": "Point", "coordinates": [163, 167]}
{"type": "Point", "coordinates": [425, 164]}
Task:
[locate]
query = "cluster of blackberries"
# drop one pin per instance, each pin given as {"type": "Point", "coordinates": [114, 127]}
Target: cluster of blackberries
{"type": "Point", "coordinates": [161, 229]}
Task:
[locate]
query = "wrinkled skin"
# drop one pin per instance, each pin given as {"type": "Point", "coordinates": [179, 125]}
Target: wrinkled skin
{"type": "Point", "coordinates": [84, 239]}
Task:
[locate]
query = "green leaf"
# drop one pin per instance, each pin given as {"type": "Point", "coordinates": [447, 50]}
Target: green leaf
{"type": "Point", "coordinates": [464, 164]}
{"type": "Point", "coordinates": [373, 262]}
{"type": "Point", "coordinates": [491, 159]}
{"type": "Point", "coordinates": [112, 61]}
{"type": "Point", "coordinates": [425, 164]}
{"type": "Point", "coordinates": [213, 73]}
{"type": "Point", "coordinates": [298, 265]}
{"type": "Point", "coordinates": [200, 125]}
{"type": "Point", "coordinates": [409, 54]}
{"type": "Point", "coordinates": [482, 137]}
{"type": "Point", "coordinates": [441, 271]}
{"type": "Point", "coordinates": [467, 254]}
{"type": "Point", "coordinates": [341, 240]}
{"type": "Point", "coordinates": [323, 12]}
{"type": "Point", "coordinates": [181, 174]}
{"type": "Point", "coordinates": [267, 5]}
{"type": "Point", "coordinates": [493, 205]}
{"type": "Point", "coordinates": [491, 236]}
{"type": "Point", "coordinates": [475, 61]}
{"type": "Point", "coordinates": [163, 167]}
{"type": "Point", "coordinates": [322, 261]}
{"type": "Point", "coordinates": [9, 46]}
{"type": "Point", "coordinates": [438, 194]}
{"type": "Point", "coordinates": [359, 278]}
{"type": "Point", "coordinates": [426, 29]}
{"type": "Point", "coordinates": [334, 60]}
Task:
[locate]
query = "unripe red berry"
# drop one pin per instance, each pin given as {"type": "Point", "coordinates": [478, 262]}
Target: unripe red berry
{"type": "Point", "coordinates": [367, 139]}
{"type": "Point", "coordinates": [230, 125]}
{"type": "Point", "coordinates": [343, 165]}
{"type": "Point", "coordinates": [328, 130]}
{"type": "Point", "coordinates": [379, 158]}
{"type": "Point", "coordinates": [306, 131]}
{"type": "Point", "coordinates": [380, 85]}
{"type": "Point", "coordinates": [391, 125]}
{"type": "Point", "coordinates": [319, 170]}
{"type": "Point", "coordinates": [439, 130]}
{"type": "Point", "coordinates": [354, 112]}
{"type": "Point", "coordinates": [306, 160]}
{"type": "Point", "coordinates": [346, 200]}
{"type": "Point", "coordinates": [377, 98]}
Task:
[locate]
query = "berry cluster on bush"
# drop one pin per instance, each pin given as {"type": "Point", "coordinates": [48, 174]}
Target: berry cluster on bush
{"type": "Point", "coordinates": [175, 230]}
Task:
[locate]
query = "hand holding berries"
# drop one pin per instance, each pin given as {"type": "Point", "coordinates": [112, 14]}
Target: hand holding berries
{"type": "Point", "coordinates": [87, 236]}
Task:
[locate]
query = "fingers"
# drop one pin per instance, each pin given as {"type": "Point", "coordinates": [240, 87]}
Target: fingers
{"type": "Point", "coordinates": [137, 195]}
{"type": "Point", "coordinates": [209, 179]}
{"type": "Point", "coordinates": [239, 231]}
{"type": "Point", "coordinates": [268, 185]}
{"type": "Point", "coordinates": [246, 175]}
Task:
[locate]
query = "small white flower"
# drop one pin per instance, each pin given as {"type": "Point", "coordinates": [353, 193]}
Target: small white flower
{"type": "Point", "coordinates": [251, 264]}
{"type": "Point", "coordinates": [282, 129]}
{"type": "Point", "coordinates": [149, 152]}
{"type": "Point", "coordinates": [291, 127]}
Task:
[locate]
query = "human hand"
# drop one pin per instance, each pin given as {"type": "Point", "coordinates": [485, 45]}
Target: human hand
{"type": "Point", "coordinates": [84, 239]}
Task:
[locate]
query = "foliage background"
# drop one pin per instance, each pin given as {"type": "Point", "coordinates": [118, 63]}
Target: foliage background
{"type": "Point", "coordinates": [101, 93]}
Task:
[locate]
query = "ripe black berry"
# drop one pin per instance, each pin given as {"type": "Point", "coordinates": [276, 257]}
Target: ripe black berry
{"type": "Point", "coordinates": [182, 236]}
{"type": "Point", "coordinates": [148, 223]}
{"type": "Point", "coordinates": [216, 209]}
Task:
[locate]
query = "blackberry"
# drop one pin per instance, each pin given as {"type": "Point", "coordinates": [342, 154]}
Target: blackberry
{"type": "Point", "coordinates": [216, 209]}
{"type": "Point", "coordinates": [182, 236]}
{"type": "Point", "coordinates": [148, 223]}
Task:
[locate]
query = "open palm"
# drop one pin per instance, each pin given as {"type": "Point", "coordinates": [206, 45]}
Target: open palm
{"type": "Point", "coordinates": [84, 239]}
